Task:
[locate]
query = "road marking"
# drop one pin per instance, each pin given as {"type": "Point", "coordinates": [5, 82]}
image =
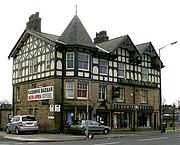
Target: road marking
{"type": "Point", "coordinates": [108, 143]}
{"type": "Point", "coordinates": [150, 139]}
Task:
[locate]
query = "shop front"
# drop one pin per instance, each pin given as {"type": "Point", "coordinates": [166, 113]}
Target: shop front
{"type": "Point", "coordinates": [144, 116]}
{"type": "Point", "coordinates": [122, 116]}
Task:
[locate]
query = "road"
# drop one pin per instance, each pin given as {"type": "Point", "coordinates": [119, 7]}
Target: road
{"type": "Point", "coordinates": [167, 138]}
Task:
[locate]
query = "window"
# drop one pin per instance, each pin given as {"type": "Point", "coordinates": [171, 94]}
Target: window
{"type": "Point", "coordinates": [17, 93]}
{"type": "Point", "coordinates": [35, 62]}
{"type": "Point", "coordinates": [48, 62]}
{"type": "Point", "coordinates": [83, 61]}
{"type": "Point", "coordinates": [121, 94]}
{"type": "Point", "coordinates": [30, 66]}
{"type": "Point", "coordinates": [20, 69]}
{"type": "Point", "coordinates": [121, 70]}
{"type": "Point", "coordinates": [144, 96]}
{"type": "Point", "coordinates": [70, 60]}
{"type": "Point", "coordinates": [144, 74]}
{"type": "Point", "coordinates": [82, 90]}
{"type": "Point", "coordinates": [102, 92]}
{"type": "Point", "coordinates": [69, 89]}
{"type": "Point", "coordinates": [103, 66]}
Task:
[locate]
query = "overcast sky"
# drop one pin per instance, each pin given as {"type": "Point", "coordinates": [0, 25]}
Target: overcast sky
{"type": "Point", "coordinates": [157, 21]}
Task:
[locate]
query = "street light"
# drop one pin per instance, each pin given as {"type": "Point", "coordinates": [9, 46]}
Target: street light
{"type": "Point", "coordinates": [160, 93]}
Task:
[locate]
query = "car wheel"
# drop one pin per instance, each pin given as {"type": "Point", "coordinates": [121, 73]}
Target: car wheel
{"type": "Point", "coordinates": [17, 131]}
{"type": "Point", "coordinates": [106, 131]}
{"type": "Point", "coordinates": [7, 130]}
{"type": "Point", "coordinates": [85, 132]}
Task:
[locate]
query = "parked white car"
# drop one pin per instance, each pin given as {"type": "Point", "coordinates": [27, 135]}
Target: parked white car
{"type": "Point", "coordinates": [23, 123]}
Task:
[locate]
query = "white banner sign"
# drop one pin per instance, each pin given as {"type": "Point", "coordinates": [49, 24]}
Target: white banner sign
{"type": "Point", "coordinates": [43, 93]}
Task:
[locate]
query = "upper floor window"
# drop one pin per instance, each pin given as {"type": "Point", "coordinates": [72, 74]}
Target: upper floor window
{"type": "Point", "coordinates": [144, 74]}
{"type": "Point", "coordinates": [121, 70]}
{"type": "Point", "coordinates": [103, 66]}
{"type": "Point", "coordinates": [102, 92]}
{"type": "Point", "coordinates": [48, 62]}
{"type": "Point", "coordinates": [35, 64]}
{"type": "Point", "coordinates": [144, 96]}
{"type": "Point", "coordinates": [121, 94]}
{"type": "Point", "coordinates": [30, 66]}
{"type": "Point", "coordinates": [82, 90]}
{"type": "Point", "coordinates": [20, 69]}
{"type": "Point", "coordinates": [83, 61]}
{"type": "Point", "coordinates": [70, 60]}
{"type": "Point", "coordinates": [69, 89]}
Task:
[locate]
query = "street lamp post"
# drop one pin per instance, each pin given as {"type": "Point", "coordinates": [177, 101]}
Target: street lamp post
{"type": "Point", "coordinates": [160, 92]}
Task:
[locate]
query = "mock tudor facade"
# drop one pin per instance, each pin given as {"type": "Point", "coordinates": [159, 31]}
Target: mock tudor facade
{"type": "Point", "coordinates": [54, 77]}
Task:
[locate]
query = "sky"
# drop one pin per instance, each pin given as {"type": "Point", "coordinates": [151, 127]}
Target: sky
{"type": "Point", "coordinates": [155, 21]}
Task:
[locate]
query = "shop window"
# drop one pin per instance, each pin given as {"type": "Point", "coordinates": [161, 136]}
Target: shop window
{"type": "Point", "coordinates": [69, 89]}
{"type": "Point", "coordinates": [81, 115]}
{"type": "Point", "coordinates": [82, 90]}
{"type": "Point", "coordinates": [121, 120]}
{"type": "Point", "coordinates": [70, 118]}
{"type": "Point", "coordinates": [144, 120]}
{"type": "Point", "coordinates": [102, 92]}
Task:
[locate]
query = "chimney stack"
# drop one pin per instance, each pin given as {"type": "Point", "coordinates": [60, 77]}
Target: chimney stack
{"type": "Point", "coordinates": [101, 37]}
{"type": "Point", "coordinates": [34, 22]}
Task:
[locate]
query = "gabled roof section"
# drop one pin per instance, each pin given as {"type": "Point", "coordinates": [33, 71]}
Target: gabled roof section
{"type": "Point", "coordinates": [76, 34]}
{"type": "Point", "coordinates": [52, 39]}
{"type": "Point", "coordinates": [146, 48]}
{"type": "Point", "coordinates": [123, 42]}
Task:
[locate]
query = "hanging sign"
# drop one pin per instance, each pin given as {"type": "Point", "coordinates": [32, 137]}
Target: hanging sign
{"type": "Point", "coordinates": [44, 93]}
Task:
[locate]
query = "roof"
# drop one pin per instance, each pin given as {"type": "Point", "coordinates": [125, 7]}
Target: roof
{"type": "Point", "coordinates": [122, 41]}
{"type": "Point", "coordinates": [146, 48]}
{"type": "Point", "coordinates": [52, 39]}
{"type": "Point", "coordinates": [75, 33]}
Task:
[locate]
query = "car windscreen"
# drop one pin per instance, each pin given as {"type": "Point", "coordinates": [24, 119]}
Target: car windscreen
{"type": "Point", "coordinates": [28, 118]}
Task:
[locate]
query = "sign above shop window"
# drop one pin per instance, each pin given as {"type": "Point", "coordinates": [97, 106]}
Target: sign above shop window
{"type": "Point", "coordinates": [43, 93]}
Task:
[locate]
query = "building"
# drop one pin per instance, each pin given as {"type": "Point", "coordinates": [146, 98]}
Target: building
{"type": "Point", "coordinates": [67, 77]}
{"type": "Point", "coordinates": [5, 115]}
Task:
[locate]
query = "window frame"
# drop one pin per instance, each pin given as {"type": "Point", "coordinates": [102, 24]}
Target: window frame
{"type": "Point", "coordinates": [70, 60]}
{"type": "Point", "coordinates": [144, 95]}
{"type": "Point", "coordinates": [48, 61]}
{"type": "Point", "coordinates": [144, 74]}
{"type": "Point", "coordinates": [82, 89]}
{"type": "Point", "coordinates": [103, 66]}
{"type": "Point", "coordinates": [70, 89]}
{"type": "Point", "coordinates": [102, 92]}
{"type": "Point", "coordinates": [18, 93]}
{"type": "Point", "coordinates": [83, 64]}
{"type": "Point", "coordinates": [121, 69]}
{"type": "Point", "coordinates": [121, 97]}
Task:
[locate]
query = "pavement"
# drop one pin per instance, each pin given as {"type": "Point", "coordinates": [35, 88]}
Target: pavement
{"type": "Point", "coordinates": [45, 137]}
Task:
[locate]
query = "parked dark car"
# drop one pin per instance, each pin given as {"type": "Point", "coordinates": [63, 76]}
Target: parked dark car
{"type": "Point", "coordinates": [80, 126]}
{"type": "Point", "coordinates": [23, 123]}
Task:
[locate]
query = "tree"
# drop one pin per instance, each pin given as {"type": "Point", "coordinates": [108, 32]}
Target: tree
{"type": "Point", "coordinates": [4, 101]}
